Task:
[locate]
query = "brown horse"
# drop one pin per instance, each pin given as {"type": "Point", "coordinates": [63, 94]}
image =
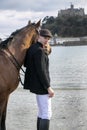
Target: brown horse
{"type": "Point", "coordinates": [11, 59]}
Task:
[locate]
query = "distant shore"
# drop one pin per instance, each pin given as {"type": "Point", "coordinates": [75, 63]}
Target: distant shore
{"type": "Point", "coordinates": [71, 43]}
{"type": "Point", "coordinates": [67, 41]}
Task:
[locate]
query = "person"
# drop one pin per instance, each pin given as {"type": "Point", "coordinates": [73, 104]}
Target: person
{"type": "Point", "coordinates": [37, 78]}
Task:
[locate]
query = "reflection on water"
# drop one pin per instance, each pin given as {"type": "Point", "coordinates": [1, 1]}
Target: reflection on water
{"type": "Point", "coordinates": [68, 66]}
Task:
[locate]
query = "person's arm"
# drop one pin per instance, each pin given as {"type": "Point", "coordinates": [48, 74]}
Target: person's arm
{"type": "Point", "coordinates": [41, 69]}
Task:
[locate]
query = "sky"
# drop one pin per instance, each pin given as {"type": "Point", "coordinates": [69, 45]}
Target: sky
{"type": "Point", "coordinates": [15, 14]}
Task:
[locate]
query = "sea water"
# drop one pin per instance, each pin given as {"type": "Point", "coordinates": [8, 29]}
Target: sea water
{"type": "Point", "coordinates": [68, 66]}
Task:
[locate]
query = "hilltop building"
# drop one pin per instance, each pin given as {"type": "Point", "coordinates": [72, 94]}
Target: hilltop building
{"type": "Point", "coordinates": [71, 12]}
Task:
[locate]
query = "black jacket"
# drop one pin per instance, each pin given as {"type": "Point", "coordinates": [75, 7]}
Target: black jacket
{"type": "Point", "coordinates": [37, 78]}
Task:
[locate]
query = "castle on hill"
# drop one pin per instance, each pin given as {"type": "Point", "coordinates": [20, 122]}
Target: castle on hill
{"type": "Point", "coordinates": [71, 12]}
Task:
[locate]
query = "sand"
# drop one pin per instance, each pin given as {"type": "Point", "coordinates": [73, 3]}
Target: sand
{"type": "Point", "coordinates": [69, 108]}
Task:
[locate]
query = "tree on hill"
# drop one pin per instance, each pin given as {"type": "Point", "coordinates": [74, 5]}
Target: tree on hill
{"type": "Point", "coordinates": [71, 26]}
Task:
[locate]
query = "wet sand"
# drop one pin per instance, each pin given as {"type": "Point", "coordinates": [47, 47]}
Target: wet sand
{"type": "Point", "coordinates": [69, 110]}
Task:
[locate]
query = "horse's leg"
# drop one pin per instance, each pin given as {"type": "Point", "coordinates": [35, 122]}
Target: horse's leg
{"type": "Point", "coordinates": [3, 127]}
{"type": "Point", "coordinates": [0, 119]}
{"type": "Point", "coordinates": [3, 109]}
{"type": "Point", "coordinates": [3, 120]}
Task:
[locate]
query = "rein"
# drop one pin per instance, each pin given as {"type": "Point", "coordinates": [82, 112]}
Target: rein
{"type": "Point", "coordinates": [17, 65]}
{"type": "Point", "coordinates": [15, 62]}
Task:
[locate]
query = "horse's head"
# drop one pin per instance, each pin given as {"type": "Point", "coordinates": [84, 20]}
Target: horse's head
{"type": "Point", "coordinates": [37, 28]}
{"type": "Point", "coordinates": [20, 40]}
{"type": "Point", "coordinates": [27, 35]}
{"type": "Point", "coordinates": [23, 37]}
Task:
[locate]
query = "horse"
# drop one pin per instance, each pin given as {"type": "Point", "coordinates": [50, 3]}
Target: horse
{"type": "Point", "coordinates": [12, 54]}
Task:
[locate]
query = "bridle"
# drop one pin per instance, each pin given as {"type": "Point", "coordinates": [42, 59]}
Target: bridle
{"type": "Point", "coordinates": [16, 64]}
{"type": "Point", "coordinates": [14, 60]}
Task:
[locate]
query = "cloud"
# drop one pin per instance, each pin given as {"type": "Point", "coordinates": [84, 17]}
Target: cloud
{"type": "Point", "coordinates": [15, 14]}
{"type": "Point", "coordinates": [37, 5]}
{"type": "Point", "coordinates": [10, 20]}
{"type": "Point", "coordinates": [34, 5]}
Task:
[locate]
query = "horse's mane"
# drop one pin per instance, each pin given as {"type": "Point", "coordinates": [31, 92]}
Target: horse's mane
{"type": "Point", "coordinates": [4, 43]}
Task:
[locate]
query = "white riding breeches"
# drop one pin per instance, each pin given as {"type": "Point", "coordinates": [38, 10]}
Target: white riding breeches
{"type": "Point", "coordinates": [44, 106]}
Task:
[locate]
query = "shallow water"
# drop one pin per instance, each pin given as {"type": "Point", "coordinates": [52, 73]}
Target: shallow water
{"type": "Point", "coordinates": [68, 67]}
{"type": "Point", "coordinates": [69, 110]}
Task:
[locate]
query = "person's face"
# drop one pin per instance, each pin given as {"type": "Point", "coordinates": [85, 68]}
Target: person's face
{"type": "Point", "coordinates": [44, 40]}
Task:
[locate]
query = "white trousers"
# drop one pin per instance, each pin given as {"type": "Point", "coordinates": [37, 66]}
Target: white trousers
{"type": "Point", "coordinates": [44, 106]}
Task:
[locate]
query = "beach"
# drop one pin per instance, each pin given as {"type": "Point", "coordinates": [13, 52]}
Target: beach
{"type": "Point", "coordinates": [69, 108]}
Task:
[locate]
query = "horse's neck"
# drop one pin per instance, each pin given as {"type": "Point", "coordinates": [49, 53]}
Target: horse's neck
{"type": "Point", "coordinates": [18, 49]}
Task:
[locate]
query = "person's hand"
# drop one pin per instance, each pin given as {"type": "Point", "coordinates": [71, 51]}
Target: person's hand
{"type": "Point", "coordinates": [50, 92]}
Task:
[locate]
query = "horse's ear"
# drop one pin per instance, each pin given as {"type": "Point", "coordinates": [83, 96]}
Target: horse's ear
{"type": "Point", "coordinates": [38, 24]}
